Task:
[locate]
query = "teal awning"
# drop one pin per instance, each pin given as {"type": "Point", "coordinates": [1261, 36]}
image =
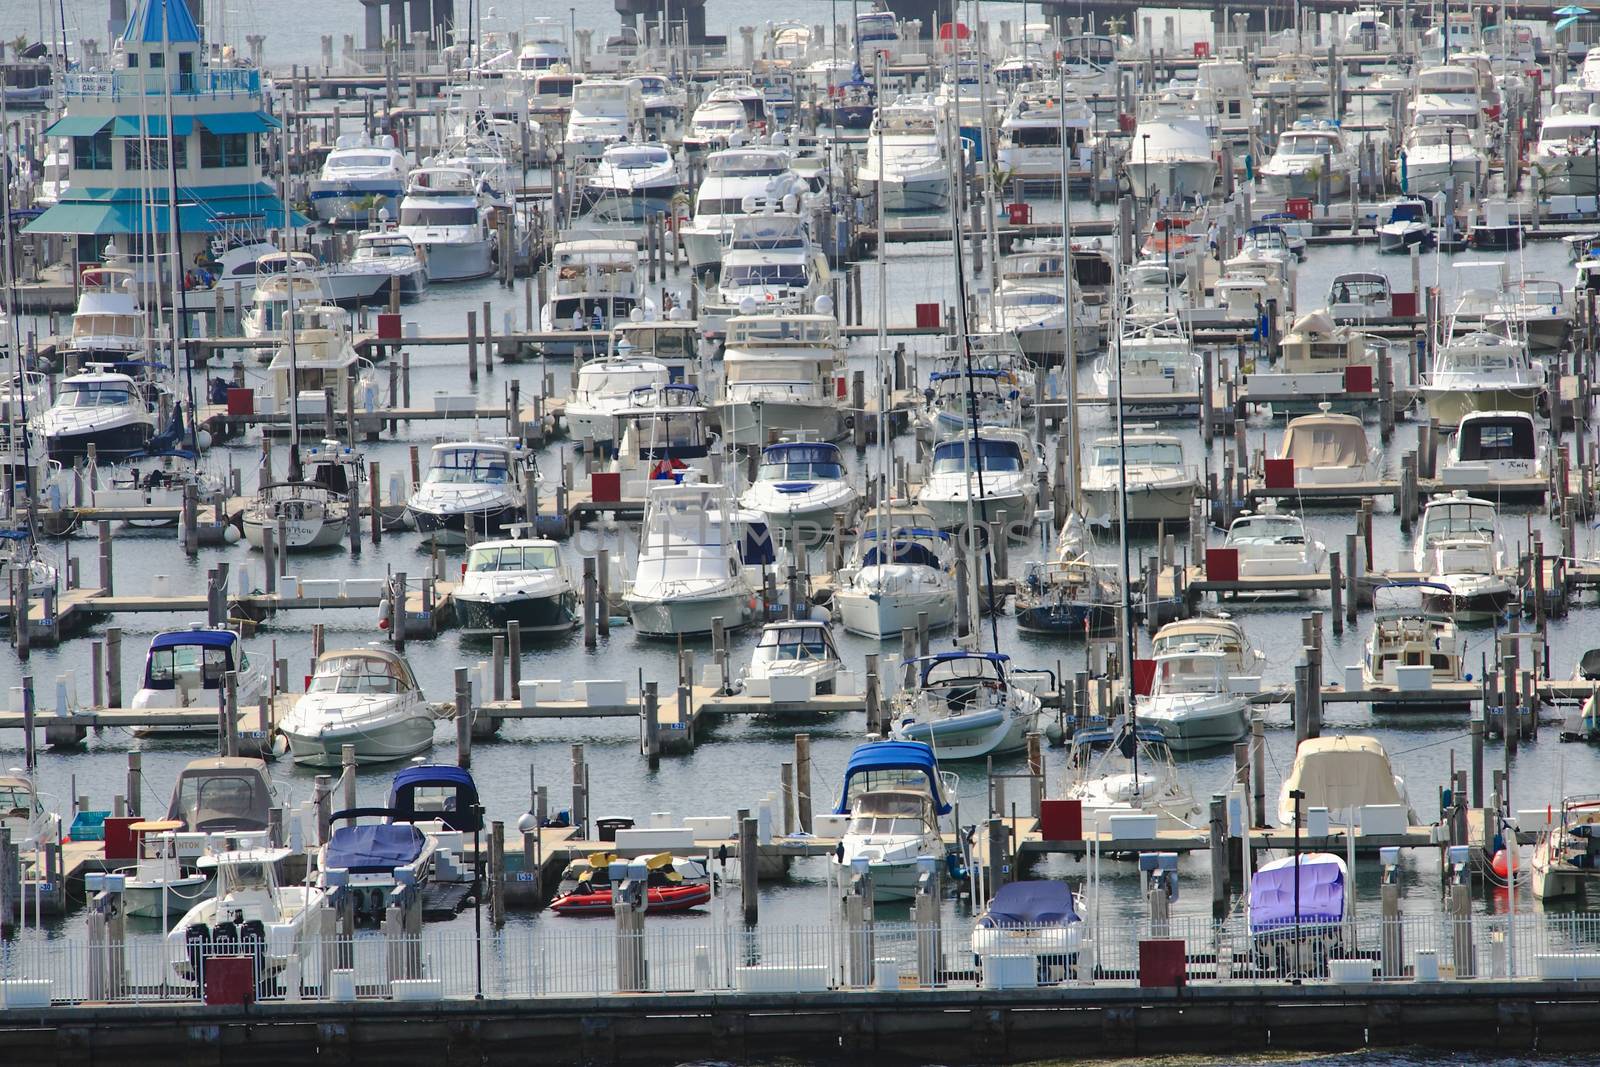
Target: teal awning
{"type": "Point", "coordinates": [155, 125]}
{"type": "Point", "coordinates": [110, 216]}
{"type": "Point", "coordinates": [78, 219]}
{"type": "Point", "coordinates": [239, 122]}
{"type": "Point", "coordinates": [77, 126]}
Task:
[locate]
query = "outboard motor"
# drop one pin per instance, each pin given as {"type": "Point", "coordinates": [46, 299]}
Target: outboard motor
{"type": "Point", "coordinates": [194, 943]}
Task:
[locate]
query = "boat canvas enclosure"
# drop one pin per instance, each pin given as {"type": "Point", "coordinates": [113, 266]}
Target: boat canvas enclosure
{"type": "Point", "coordinates": [436, 791]}
{"type": "Point", "coordinates": [888, 765]}
{"type": "Point", "coordinates": [1325, 441]}
{"type": "Point", "coordinates": [1339, 773]}
{"type": "Point", "coordinates": [223, 794]}
{"type": "Point", "coordinates": [1496, 435]}
{"type": "Point", "coordinates": [1272, 893]}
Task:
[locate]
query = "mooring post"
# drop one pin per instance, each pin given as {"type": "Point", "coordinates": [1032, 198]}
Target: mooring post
{"type": "Point", "coordinates": [652, 725]}
{"type": "Point", "coordinates": [749, 864]}
{"type": "Point", "coordinates": [802, 780]}
{"type": "Point", "coordinates": [463, 718]}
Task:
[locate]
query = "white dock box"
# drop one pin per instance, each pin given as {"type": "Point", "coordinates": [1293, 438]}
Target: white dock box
{"type": "Point", "coordinates": [1415, 678]}
{"type": "Point", "coordinates": [1010, 971]}
{"type": "Point", "coordinates": [777, 978]}
{"type": "Point", "coordinates": [667, 839]}
{"type": "Point", "coordinates": [601, 692]}
{"type": "Point", "coordinates": [787, 689]}
{"type": "Point", "coordinates": [539, 691]}
{"type": "Point", "coordinates": [1383, 819]}
{"type": "Point", "coordinates": [1139, 827]}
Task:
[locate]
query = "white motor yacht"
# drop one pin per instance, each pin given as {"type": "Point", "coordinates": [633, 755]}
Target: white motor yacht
{"type": "Point", "coordinates": [594, 284]}
{"type": "Point", "coordinates": [1411, 638]}
{"type": "Point", "coordinates": [770, 265]}
{"type": "Point", "coordinates": [908, 157]}
{"type": "Point", "coordinates": [952, 396]}
{"type": "Point", "coordinates": [1308, 152]}
{"type": "Point", "coordinates": [1192, 702]}
{"type": "Point", "coordinates": [188, 668]}
{"type": "Point", "coordinates": [1480, 371]}
{"type": "Point", "coordinates": [902, 566]}
{"type": "Point", "coordinates": [1160, 484]}
{"type": "Point", "coordinates": [1494, 446]}
{"type": "Point", "coordinates": [695, 563]}
{"type": "Point", "coordinates": [250, 913]}
{"type": "Point", "coordinates": [519, 580]}
{"type": "Point", "coordinates": [1462, 556]}
{"type": "Point", "coordinates": [895, 795]}
{"type": "Point", "coordinates": [602, 389]}
{"type": "Point", "coordinates": [1031, 134]}
{"type": "Point", "coordinates": [1126, 769]}
{"type": "Point", "coordinates": [1272, 544]}
{"type": "Point", "coordinates": [443, 213]}
{"type": "Point", "coordinates": [1170, 156]}
{"type": "Point", "coordinates": [99, 409]}
{"type": "Point", "coordinates": [604, 112]}
{"type": "Point", "coordinates": [472, 483]}
{"type": "Point", "coordinates": [802, 489]}
{"type": "Point", "coordinates": [361, 176]}
{"type": "Point", "coordinates": [795, 648]}
{"type": "Point", "coordinates": [780, 376]}
{"type": "Point", "coordinates": [366, 697]}
{"type": "Point", "coordinates": [965, 705]}
{"type": "Point", "coordinates": [389, 252]}
{"type": "Point", "coordinates": [108, 325]}
{"type": "Point", "coordinates": [738, 182]}
{"type": "Point", "coordinates": [1327, 448]}
{"type": "Point", "coordinates": [977, 481]}
{"type": "Point", "coordinates": [630, 184]}
{"type": "Point", "coordinates": [1211, 633]}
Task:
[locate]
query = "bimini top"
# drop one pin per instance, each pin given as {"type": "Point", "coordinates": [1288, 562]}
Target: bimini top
{"type": "Point", "coordinates": [886, 757]}
{"type": "Point", "coordinates": [205, 638]}
{"type": "Point", "coordinates": [459, 812]}
{"type": "Point", "coordinates": [1031, 904]}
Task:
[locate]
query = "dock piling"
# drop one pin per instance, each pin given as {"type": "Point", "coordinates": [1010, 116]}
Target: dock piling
{"type": "Point", "coordinates": [463, 718]}
{"type": "Point", "coordinates": [802, 780]}
{"type": "Point", "coordinates": [749, 864]}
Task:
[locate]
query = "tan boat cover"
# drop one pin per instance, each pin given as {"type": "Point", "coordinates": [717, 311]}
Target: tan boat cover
{"type": "Point", "coordinates": [1339, 773]}
{"type": "Point", "coordinates": [1325, 440]}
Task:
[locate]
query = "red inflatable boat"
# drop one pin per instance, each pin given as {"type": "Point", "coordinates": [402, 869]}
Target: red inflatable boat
{"type": "Point", "coordinates": [662, 898]}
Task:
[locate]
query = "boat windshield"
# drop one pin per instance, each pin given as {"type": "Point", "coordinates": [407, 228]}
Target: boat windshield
{"type": "Point", "coordinates": [15, 800]}
{"type": "Point", "coordinates": [1189, 674]}
{"type": "Point", "coordinates": [1141, 454]}
{"type": "Point", "coordinates": [358, 159]}
{"type": "Point", "coordinates": [167, 665]}
{"type": "Point", "coordinates": [356, 674]}
{"type": "Point", "coordinates": [460, 466]}
{"type": "Point", "coordinates": [890, 813]}
{"type": "Point", "coordinates": [242, 876]}
{"type": "Point", "coordinates": [437, 215]}
{"type": "Point", "coordinates": [94, 395]}
{"type": "Point", "coordinates": [1278, 528]}
{"type": "Point", "coordinates": [800, 471]}
{"type": "Point", "coordinates": [637, 158]}
{"type": "Point", "coordinates": [792, 643]}
{"type": "Point", "coordinates": [736, 275]}
{"type": "Point", "coordinates": [953, 457]}
{"type": "Point", "coordinates": [1459, 520]}
{"type": "Point", "coordinates": [207, 801]}
{"type": "Point", "coordinates": [488, 558]}
{"type": "Point", "coordinates": [1030, 298]}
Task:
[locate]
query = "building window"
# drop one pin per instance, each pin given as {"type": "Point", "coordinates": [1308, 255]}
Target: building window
{"type": "Point", "coordinates": [157, 154]}
{"type": "Point", "coordinates": [157, 60]}
{"type": "Point", "coordinates": [224, 150]}
{"type": "Point", "coordinates": [92, 153]}
{"type": "Point", "coordinates": [133, 60]}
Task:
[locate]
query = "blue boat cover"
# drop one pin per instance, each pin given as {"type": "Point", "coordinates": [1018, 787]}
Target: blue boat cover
{"type": "Point", "coordinates": [893, 756]}
{"type": "Point", "coordinates": [462, 814]}
{"type": "Point", "coordinates": [1031, 904]}
{"type": "Point", "coordinates": [187, 638]}
{"type": "Point", "coordinates": [1321, 894]}
{"type": "Point", "coordinates": [374, 847]}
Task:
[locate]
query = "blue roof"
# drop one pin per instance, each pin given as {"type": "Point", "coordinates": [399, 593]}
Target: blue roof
{"type": "Point", "coordinates": [999, 659]}
{"type": "Point", "coordinates": [893, 756]}
{"type": "Point", "coordinates": [204, 638]}
{"type": "Point", "coordinates": [430, 774]}
{"type": "Point", "coordinates": [158, 21]}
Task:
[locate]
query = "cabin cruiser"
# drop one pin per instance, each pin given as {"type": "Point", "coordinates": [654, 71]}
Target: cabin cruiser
{"type": "Point", "coordinates": [1461, 553]}
{"type": "Point", "coordinates": [672, 340]}
{"type": "Point", "coordinates": [188, 668]}
{"type": "Point", "coordinates": [1151, 370]}
{"type": "Point", "coordinates": [629, 185]}
{"type": "Point", "coordinates": [107, 326]}
{"type": "Point", "coordinates": [965, 705]}
{"type": "Point", "coordinates": [318, 358]}
{"type": "Point", "coordinates": [979, 480]}
{"type": "Point", "coordinates": [1039, 315]}
{"type": "Point", "coordinates": [802, 490]}
{"type": "Point", "coordinates": [1342, 773]}
{"type": "Point", "coordinates": [268, 316]}
{"type": "Point", "coordinates": [1439, 154]}
{"type": "Point", "coordinates": [877, 33]}
{"type": "Point", "coordinates": [1161, 486]}
{"type": "Point", "coordinates": [1565, 154]}
{"type": "Point", "coordinates": [519, 580]}
{"type": "Point", "coordinates": [1171, 158]}
{"type": "Point", "coordinates": [902, 566]}
{"type": "Point", "coordinates": [1211, 633]}
{"type": "Point", "coordinates": [392, 254]}
{"type": "Point", "coordinates": [664, 104]}
{"type": "Point", "coordinates": [1408, 224]}
{"type": "Point", "coordinates": [1329, 449]}
{"type": "Point", "coordinates": [366, 697]}
{"type": "Point", "coordinates": [1494, 446]}
{"type": "Point", "coordinates": [253, 913]}
{"type": "Point", "coordinates": [1192, 702]}
{"type": "Point", "coordinates": [1566, 858]}
{"type": "Point", "coordinates": [1223, 91]}
{"type": "Point", "coordinates": [1031, 134]}
{"type": "Point", "coordinates": [907, 157]}
{"type": "Point", "coordinates": [770, 265]}
{"type": "Point", "coordinates": [729, 113]}
{"type": "Point", "coordinates": [895, 795]}
{"type": "Point", "coordinates": [1411, 638]}
{"type": "Point", "coordinates": [780, 373]}
{"type": "Point", "coordinates": [594, 284]}
{"type": "Point", "coordinates": [604, 112]}
{"type": "Point", "coordinates": [952, 396]}
{"type": "Point", "coordinates": [1358, 296]}
{"type": "Point", "coordinates": [443, 214]}
{"type": "Point", "coordinates": [1297, 914]}
{"type": "Point", "coordinates": [544, 47]}
{"type": "Point", "coordinates": [1032, 918]}
{"type": "Point", "coordinates": [100, 409]}
{"type": "Point", "coordinates": [1319, 363]}
{"type": "Point", "coordinates": [795, 648]}
{"type": "Point", "coordinates": [1272, 544]}
{"type": "Point", "coordinates": [699, 561]}
{"type": "Point", "coordinates": [1309, 152]}
{"type": "Point", "coordinates": [737, 182]}
{"type": "Point", "coordinates": [1369, 29]}
{"type": "Point", "coordinates": [661, 432]}
{"type": "Point", "coordinates": [476, 483]}
{"type": "Point", "coordinates": [362, 175]}
{"type": "Point", "coordinates": [1126, 769]}
{"type": "Point", "coordinates": [602, 388]}
{"type": "Point", "coordinates": [1480, 371]}
{"type": "Point", "coordinates": [1536, 309]}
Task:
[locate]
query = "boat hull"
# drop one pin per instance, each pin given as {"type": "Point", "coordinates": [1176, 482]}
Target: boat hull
{"type": "Point", "coordinates": [450, 528]}
{"type": "Point", "coordinates": [971, 736]}
{"type": "Point", "coordinates": [688, 616]}
{"type": "Point", "coordinates": [299, 535]}
{"type": "Point", "coordinates": [1449, 406]}
{"type": "Point", "coordinates": [395, 739]}
{"type": "Point", "coordinates": [111, 444]}
{"type": "Point", "coordinates": [144, 901]}
{"type": "Point", "coordinates": [887, 616]}
{"type": "Point", "coordinates": [459, 262]}
{"type": "Point", "coordinates": [743, 425]}
{"type": "Point", "coordinates": [550, 614]}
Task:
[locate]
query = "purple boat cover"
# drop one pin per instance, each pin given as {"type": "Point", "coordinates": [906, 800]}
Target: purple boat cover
{"type": "Point", "coordinates": [1031, 904]}
{"type": "Point", "coordinates": [1321, 894]}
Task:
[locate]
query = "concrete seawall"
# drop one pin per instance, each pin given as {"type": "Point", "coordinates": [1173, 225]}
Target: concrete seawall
{"type": "Point", "coordinates": [947, 1026]}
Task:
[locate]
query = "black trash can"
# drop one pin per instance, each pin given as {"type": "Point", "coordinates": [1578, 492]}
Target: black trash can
{"type": "Point", "coordinates": [608, 827]}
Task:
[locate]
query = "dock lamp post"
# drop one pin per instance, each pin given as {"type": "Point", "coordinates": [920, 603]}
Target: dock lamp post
{"type": "Point", "coordinates": [1297, 795]}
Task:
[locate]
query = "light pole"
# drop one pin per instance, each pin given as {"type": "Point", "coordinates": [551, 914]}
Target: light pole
{"type": "Point", "coordinates": [1296, 795]}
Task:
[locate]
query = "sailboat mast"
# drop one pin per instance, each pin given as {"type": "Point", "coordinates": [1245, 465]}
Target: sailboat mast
{"type": "Point", "coordinates": [180, 318]}
{"type": "Point", "coordinates": [1069, 355]}
{"type": "Point", "coordinates": [288, 321]}
{"type": "Point", "coordinates": [1122, 491]}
